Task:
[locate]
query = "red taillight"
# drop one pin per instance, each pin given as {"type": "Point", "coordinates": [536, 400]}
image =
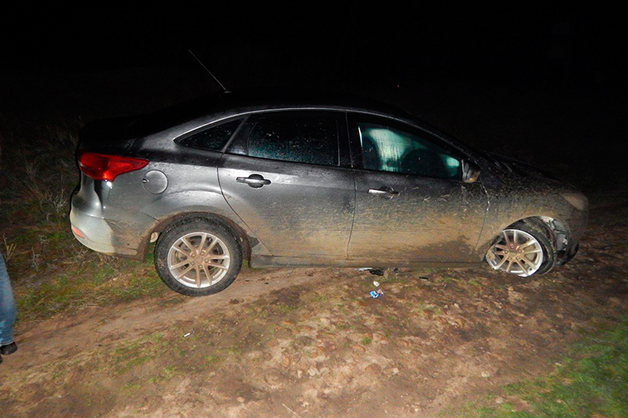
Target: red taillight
{"type": "Point", "coordinates": [107, 167]}
{"type": "Point", "coordinates": [77, 232]}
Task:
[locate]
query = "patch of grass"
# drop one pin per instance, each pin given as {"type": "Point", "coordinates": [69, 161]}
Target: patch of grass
{"type": "Point", "coordinates": [234, 350]}
{"type": "Point", "coordinates": [475, 282]}
{"type": "Point", "coordinates": [430, 309]}
{"type": "Point", "coordinates": [89, 283]}
{"type": "Point", "coordinates": [137, 352]}
{"type": "Point", "coordinates": [132, 387]}
{"type": "Point", "coordinates": [366, 340]}
{"type": "Point", "coordinates": [423, 272]}
{"type": "Point", "coordinates": [284, 308]}
{"type": "Point", "coordinates": [212, 359]}
{"type": "Point", "coordinates": [139, 283]}
{"type": "Point", "coordinates": [166, 374]}
{"type": "Point", "coordinates": [317, 298]}
{"type": "Point", "coordinates": [591, 381]}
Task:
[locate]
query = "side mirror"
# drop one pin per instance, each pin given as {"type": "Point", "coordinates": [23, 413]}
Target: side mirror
{"type": "Point", "coordinates": [470, 171]}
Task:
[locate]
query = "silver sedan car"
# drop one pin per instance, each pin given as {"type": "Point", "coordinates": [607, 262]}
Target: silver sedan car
{"type": "Point", "coordinates": [310, 181]}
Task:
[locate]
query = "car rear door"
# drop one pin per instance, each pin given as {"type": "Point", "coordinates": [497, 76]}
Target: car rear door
{"type": "Point", "coordinates": [411, 203]}
{"type": "Point", "coordinates": [286, 174]}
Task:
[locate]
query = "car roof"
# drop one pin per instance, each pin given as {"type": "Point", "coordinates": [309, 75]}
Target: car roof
{"type": "Point", "coordinates": [231, 104]}
{"type": "Point", "coordinates": [266, 99]}
{"type": "Point", "coordinates": [234, 103]}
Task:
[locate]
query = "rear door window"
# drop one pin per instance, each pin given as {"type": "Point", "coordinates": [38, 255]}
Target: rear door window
{"type": "Point", "coordinates": [303, 137]}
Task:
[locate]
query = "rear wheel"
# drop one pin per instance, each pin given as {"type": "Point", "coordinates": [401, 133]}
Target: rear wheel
{"type": "Point", "coordinates": [522, 249]}
{"type": "Point", "coordinates": [198, 257]}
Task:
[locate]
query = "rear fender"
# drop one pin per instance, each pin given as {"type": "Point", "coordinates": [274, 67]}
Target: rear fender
{"type": "Point", "coordinates": [179, 205]}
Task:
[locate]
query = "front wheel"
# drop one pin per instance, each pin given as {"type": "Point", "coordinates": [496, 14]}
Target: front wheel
{"type": "Point", "coordinates": [198, 257]}
{"type": "Point", "coordinates": [523, 250]}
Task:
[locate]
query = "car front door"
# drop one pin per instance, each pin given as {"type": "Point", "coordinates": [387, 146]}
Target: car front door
{"type": "Point", "coordinates": [286, 174]}
{"type": "Point", "coordinates": [411, 203]}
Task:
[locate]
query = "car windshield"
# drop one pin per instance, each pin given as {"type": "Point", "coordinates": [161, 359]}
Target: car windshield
{"type": "Point", "coordinates": [465, 146]}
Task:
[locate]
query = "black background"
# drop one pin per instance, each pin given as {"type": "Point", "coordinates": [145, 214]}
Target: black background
{"type": "Point", "coordinates": [543, 82]}
{"type": "Point", "coordinates": [572, 46]}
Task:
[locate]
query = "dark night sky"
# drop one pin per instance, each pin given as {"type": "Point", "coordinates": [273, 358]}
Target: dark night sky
{"type": "Point", "coordinates": [249, 45]}
{"type": "Point", "coordinates": [521, 52]}
{"type": "Point", "coordinates": [543, 82]}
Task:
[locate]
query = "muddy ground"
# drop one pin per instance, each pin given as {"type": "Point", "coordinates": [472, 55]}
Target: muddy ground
{"type": "Point", "coordinates": [312, 342]}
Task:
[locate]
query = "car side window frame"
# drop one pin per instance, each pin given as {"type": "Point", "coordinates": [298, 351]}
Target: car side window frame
{"type": "Point", "coordinates": [179, 140]}
{"type": "Point", "coordinates": [357, 159]}
{"type": "Point", "coordinates": [239, 143]}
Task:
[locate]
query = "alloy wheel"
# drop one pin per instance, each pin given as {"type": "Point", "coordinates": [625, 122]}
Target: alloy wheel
{"type": "Point", "coordinates": [517, 252]}
{"type": "Point", "coordinates": [198, 260]}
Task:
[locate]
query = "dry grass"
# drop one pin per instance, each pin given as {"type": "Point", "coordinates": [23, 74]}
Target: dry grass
{"type": "Point", "coordinates": [52, 272]}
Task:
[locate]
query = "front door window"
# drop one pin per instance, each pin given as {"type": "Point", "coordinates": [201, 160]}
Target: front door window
{"type": "Point", "coordinates": [390, 149]}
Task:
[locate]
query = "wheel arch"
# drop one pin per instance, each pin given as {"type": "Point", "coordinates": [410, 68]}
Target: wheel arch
{"type": "Point", "coordinates": [557, 231]}
{"type": "Point", "coordinates": [246, 241]}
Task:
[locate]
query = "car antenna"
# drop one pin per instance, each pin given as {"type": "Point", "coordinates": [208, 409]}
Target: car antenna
{"type": "Point", "coordinates": [210, 73]}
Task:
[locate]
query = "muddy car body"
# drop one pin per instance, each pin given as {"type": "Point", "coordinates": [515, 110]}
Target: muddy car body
{"type": "Point", "coordinates": [315, 181]}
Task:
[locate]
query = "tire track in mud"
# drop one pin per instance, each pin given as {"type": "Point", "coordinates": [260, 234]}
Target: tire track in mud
{"type": "Point", "coordinates": [60, 336]}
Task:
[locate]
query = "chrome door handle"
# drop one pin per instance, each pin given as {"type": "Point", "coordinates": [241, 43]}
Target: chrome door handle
{"type": "Point", "coordinates": [254, 180]}
{"type": "Point", "coordinates": [385, 192]}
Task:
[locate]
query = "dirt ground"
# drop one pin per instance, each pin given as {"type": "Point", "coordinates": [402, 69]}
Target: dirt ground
{"type": "Point", "coordinates": [312, 342]}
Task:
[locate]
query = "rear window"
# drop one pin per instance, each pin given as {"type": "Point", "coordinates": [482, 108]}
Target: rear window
{"type": "Point", "coordinates": [212, 139]}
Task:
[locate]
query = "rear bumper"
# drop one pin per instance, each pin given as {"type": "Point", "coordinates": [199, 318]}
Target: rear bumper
{"type": "Point", "coordinates": [126, 237]}
{"type": "Point", "coordinates": [97, 234]}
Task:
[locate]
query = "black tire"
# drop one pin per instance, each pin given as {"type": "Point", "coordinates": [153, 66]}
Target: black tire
{"type": "Point", "coordinates": [178, 230]}
{"type": "Point", "coordinates": [544, 238]}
